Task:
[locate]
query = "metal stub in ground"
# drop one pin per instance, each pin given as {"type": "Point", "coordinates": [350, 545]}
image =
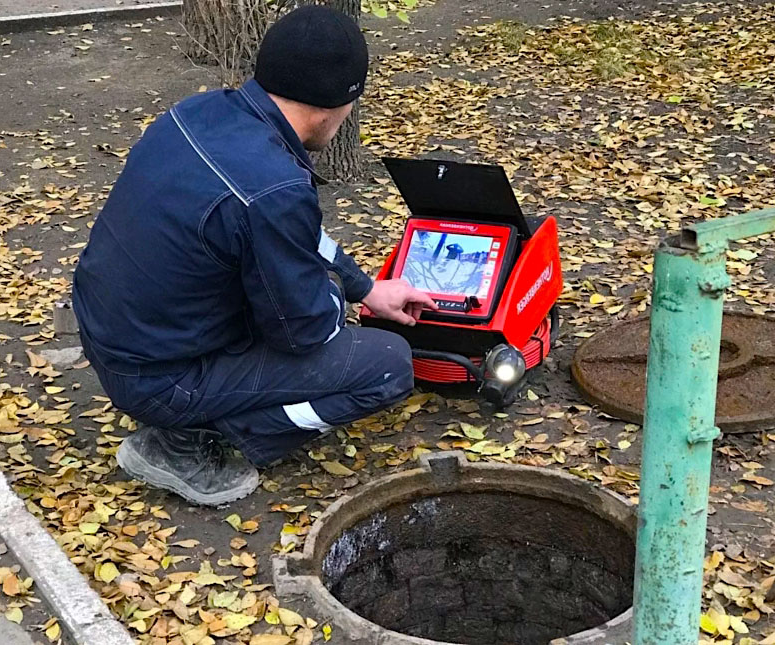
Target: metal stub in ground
{"type": "Point", "coordinates": [610, 371]}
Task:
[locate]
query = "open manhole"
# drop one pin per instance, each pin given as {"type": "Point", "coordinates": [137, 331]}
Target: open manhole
{"type": "Point", "coordinates": [610, 371]}
{"type": "Point", "coordinates": [471, 554]}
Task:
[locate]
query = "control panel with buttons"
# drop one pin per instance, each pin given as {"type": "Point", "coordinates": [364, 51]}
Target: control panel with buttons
{"type": "Point", "coordinates": [465, 305]}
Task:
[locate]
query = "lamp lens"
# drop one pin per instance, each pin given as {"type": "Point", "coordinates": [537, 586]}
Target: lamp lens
{"type": "Point", "coordinates": [505, 363]}
{"type": "Point", "coordinates": [505, 373]}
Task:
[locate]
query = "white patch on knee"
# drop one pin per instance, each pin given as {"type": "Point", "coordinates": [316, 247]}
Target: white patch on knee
{"type": "Point", "coordinates": [387, 375]}
{"type": "Point", "coordinates": [302, 415]}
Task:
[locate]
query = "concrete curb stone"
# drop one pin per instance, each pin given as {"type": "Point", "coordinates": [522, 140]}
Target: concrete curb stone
{"type": "Point", "coordinates": [82, 615]}
{"type": "Point", "coordinates": [133, 12]}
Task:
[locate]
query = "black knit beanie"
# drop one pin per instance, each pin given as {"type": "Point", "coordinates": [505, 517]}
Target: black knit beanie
{"type": "Point", "coordinates": [314, 55]}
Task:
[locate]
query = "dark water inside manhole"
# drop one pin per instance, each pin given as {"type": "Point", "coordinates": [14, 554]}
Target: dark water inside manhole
{"type": "Point", "coordinates": [482, 568]}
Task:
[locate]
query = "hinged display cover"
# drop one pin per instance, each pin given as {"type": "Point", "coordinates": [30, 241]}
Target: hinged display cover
{"type": "Point", "coordinates": [456, 191]}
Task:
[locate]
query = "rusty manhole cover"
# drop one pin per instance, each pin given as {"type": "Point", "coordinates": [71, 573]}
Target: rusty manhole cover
{"type": "Point", "coordinates": [610, 371]}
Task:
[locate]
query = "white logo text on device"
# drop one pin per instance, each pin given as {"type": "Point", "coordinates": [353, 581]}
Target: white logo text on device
{"type": "Point", "coordinates": [460, 227]}
{"type": "Point", "coordinates": [545, 276]}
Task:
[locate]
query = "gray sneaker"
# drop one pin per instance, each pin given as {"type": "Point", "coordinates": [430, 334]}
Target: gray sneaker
{"type": "Point", "coordinates": [192, 463]}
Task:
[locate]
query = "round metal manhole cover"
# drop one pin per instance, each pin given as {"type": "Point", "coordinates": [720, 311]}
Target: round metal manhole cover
{"type": "Point", "coordinates": [610, 371]}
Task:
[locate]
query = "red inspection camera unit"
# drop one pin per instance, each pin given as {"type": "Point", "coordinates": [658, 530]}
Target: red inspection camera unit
{"type": "Point", "coordinates": [494, 274]}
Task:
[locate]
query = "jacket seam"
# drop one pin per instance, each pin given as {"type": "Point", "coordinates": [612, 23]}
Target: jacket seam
{"type": "Point", "coordinates": [272, 299]}
{"type": "Point", "coordinates": [283, 184]}
{"type": "Point", "coordinates": [200, 231]}
{"type": "Point", "coordinates": [299, 163]}
{"type": "Point", "coordinates": [222, 174]}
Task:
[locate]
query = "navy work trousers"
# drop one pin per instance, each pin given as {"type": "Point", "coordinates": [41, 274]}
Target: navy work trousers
{"type": "Point", "coordinates": [267, 403]}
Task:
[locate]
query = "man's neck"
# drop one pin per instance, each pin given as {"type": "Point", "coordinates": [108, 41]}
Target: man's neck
{"type": "Point", "coordinates": [296, 114]}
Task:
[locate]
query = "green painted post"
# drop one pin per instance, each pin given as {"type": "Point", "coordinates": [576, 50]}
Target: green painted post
{"type": "Point", "coordinates": [678, 433]}
{"type": "Point", "coordinates": [687, 309]}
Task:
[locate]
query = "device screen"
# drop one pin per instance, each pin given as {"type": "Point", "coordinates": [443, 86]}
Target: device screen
{"type": "Point", "coordinates": [450, 263]}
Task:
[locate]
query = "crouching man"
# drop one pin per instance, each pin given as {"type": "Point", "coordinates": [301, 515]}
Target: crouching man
{"type": "Point", "coordinates": [210, 300]}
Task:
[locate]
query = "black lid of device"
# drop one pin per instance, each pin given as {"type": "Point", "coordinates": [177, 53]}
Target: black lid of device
{"type": "Point", "coordinates": [440, 189]}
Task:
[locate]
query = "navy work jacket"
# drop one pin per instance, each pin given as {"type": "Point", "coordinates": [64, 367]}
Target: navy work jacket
{"type": "Point", "coordinates": [211, 240]}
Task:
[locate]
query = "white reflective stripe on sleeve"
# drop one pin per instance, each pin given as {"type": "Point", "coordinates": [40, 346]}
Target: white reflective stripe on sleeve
{"type": "Point", "coordinates": [337, 329]}
{"type": "Point", "coordinates": [302, 415]}
{"type": "Point", "coordinates": [327, 247]}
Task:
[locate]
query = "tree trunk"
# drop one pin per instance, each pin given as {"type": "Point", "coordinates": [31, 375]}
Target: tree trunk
{"type": "Point", "coordinates": [227, 32]}
{"type": "Point", "coordinates": [342, 157]}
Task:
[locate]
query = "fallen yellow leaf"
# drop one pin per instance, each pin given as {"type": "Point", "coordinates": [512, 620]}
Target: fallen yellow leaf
{"type": "Point", "coordinates": [53, 632]}
{"type": "Point", "coordinates": [192, 635]}
{"type": "Point", "coordinates": [707, 625]}
{"type": "Point", "coordinates": [108, 572]}
{"type": "Point", "coordinates": [11, 586]}
{"type": "Point", "coordinates": [89, 528]}
{"type": "Point", "coordinates": [289, 618]}
{"type": "Point", "coordinates": [139, 625]}
{"type": "Point", "coordinates": [737, 624]}
{"type": "Point", "coordinates": [234, 521]}
{"type": "Point", "coordinates": [187, 595]}
{"type": "Point", "coordinates": [336, 469]}
{"type": "Point", "coordinates": [238, 621]}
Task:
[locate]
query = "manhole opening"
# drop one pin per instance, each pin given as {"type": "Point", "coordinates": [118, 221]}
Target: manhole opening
{"type": "Point", "coordinates": [483, 567]}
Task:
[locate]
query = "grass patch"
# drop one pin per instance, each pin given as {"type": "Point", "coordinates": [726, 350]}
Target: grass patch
{"type": "Point", "coordinates": [615, 49]}
{"type": "Point", "coordinates": [610, 63]}
{"type": "Point", "coordinates": [608, 49]}
{"type": "Point", "coordinates": [674, 65]}
{"type": "Point", "coordinates": [512, 34]}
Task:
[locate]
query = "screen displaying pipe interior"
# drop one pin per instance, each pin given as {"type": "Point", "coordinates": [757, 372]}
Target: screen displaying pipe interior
{"type": "Point", "coordinates": [449, 263]}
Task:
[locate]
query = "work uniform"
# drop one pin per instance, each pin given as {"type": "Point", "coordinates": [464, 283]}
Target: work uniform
{"type": "Point", "coordinates": [204, 297]}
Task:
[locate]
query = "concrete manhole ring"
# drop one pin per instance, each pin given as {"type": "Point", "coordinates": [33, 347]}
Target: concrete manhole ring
{"type": "Point", "coordinates": [610, 371]}
{"type": "Point", "coordinates": [473, 554]}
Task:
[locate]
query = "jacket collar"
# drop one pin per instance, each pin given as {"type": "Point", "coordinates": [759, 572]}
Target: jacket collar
{"type": "Point", "coordinates": [266, 109]}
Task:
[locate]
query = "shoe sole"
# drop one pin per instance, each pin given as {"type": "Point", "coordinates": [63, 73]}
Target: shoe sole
{"type": "Point", "coordinates": [138, 468]}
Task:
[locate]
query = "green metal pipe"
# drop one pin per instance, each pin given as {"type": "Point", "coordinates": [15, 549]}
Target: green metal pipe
{"type": "Point", "coordinates": [682, 373]}
{"type": "Point", "coordinates": [697, 237]}
{"type": "Point", "coordinates": [678, 432]}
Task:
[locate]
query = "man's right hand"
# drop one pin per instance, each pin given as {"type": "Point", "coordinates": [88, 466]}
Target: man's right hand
{"type": "Point", "coordinates": [398, 300]}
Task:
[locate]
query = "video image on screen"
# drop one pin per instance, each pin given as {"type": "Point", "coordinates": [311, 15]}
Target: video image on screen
{"type": "Point", "coordinates": [448, 263]}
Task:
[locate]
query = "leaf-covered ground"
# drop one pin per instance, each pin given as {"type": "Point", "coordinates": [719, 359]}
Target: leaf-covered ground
{"type": "Point", "coordinates": [620, 128]}
{"type": "Point", "coordinates": [22, 604]}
